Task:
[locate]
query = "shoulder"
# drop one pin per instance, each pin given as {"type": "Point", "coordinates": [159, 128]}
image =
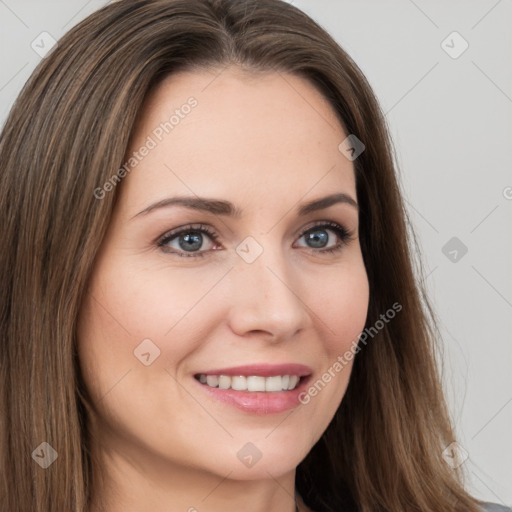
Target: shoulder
{"type": "Point", "coordinates": [493, 507]}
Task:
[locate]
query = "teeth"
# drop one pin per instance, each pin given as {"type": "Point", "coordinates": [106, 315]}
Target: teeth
{"type": "Point", "coordinates": [274, 383]}
{"type": "Point", "coordinates": [251, 383]}
{"type": "Point", "coordinates": [255, 383]}
{"type": "Point", "coordinates": [224, 382]}
{"type": "Point", "coordinates": [238, 383]}
{"type": "Point", "coordinates": [212, 380]}
{"type": "Point", "coordinates": [293, 381]}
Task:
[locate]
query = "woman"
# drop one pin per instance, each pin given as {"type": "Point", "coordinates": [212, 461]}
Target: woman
{"type": "Point", "coordinates": [208, 299]}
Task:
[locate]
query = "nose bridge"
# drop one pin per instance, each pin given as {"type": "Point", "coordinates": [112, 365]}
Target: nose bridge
{"type": "Point", "coordinates": [265, 296]}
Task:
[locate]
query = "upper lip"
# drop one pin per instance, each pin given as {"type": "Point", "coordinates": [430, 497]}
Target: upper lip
{"type": "Point", "coordinates": [262, 370]}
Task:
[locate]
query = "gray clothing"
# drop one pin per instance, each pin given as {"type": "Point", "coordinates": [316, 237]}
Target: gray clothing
{"type": "Point", "coordinates": [493, 507]}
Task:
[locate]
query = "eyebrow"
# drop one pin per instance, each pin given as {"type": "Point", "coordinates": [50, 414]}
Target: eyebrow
{"type": "Point", "coordinates": [221, 207]}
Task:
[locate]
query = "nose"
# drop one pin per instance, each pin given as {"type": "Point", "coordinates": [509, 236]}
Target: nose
{"type": "Point", "coordinates": [266, 296]}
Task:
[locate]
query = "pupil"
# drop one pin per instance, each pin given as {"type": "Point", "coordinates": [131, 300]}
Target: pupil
{"type": "Point", "coordinates": [191, 242]}
{"type": "Point", "coordinates": [318, 238]}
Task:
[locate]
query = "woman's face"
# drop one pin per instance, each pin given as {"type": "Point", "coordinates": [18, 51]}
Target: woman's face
{"type": "Point", "coordinates": [248, 276]}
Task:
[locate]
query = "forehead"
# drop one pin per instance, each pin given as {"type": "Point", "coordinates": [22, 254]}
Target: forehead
{"type": "Point", "coordinates": [226, 131]}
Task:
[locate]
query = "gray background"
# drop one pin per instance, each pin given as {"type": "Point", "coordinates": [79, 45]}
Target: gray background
{"type": "Point", "coordinates": [451, 122]}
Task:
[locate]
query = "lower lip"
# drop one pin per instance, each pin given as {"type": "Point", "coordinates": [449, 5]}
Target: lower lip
{"type": "Point", "coordinates": [259, 402]}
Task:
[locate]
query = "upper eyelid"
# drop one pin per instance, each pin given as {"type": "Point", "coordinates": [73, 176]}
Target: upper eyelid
{"type": "Point", "coordinates": [203, 228]}
{"type": "Point", "coordinates": [321, 223]}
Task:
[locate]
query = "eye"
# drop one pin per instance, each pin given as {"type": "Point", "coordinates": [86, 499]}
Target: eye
{"type": "Point", "coordinates": [188, 241]}
{"type": "Point", "coordinates": [322, 237]}
{"type": "Point", "coordinates": [199, 239]}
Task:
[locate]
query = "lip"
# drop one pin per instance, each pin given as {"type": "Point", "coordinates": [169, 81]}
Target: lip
{"type": "Point", "coordinates": [262, 370]}
{"type": "Point", "coordinates": [259, 402]}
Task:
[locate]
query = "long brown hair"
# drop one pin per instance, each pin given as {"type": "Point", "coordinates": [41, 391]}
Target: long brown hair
{"type": "Point", "coordinates": [67, 134]}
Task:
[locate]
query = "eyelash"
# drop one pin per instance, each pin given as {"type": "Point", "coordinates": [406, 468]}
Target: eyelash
{"type": "Point", "coordinates": [344, 235]}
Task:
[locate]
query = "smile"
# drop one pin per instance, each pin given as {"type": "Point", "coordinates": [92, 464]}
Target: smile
{"type": "Point", "coordinates": [257, 389]}
{"type": "Point", "coordinates": [251, 383]}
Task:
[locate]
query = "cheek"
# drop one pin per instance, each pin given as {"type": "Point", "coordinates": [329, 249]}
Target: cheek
{"type": "Point", "coordinates": [341, 305]}
{"type": "Point", "coordinates": [137, 303]}
{"type": "Point", "coordinates": [126, 305]}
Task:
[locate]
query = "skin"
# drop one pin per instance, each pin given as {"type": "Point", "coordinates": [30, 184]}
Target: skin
{"type": "Point", "coordinates": [267, 143]}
